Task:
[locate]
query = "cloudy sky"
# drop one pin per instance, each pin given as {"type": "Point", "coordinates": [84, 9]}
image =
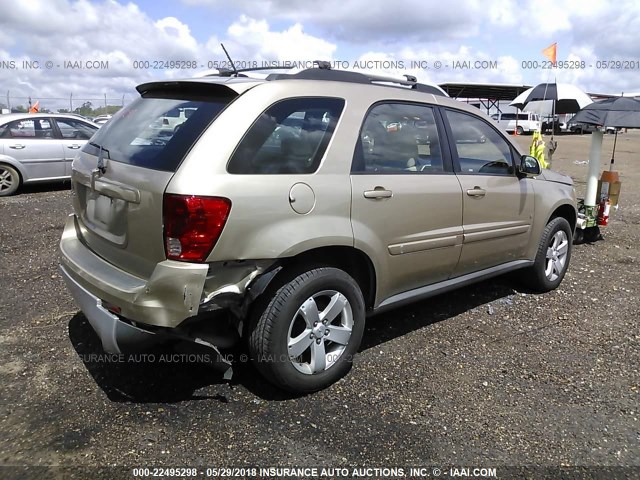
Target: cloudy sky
{"type": "Point", "coordinates": [128, 34]}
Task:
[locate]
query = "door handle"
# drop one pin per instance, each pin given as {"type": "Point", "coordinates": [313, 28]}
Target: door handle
{"type": "Point", "coordinates": [74, 146]}
{"type": "Point", "coordinates": [378, 192]}
{"type": "Point", "coordinates": [476, 192]}
{"type": "Point", "coordinates": [17, 146]}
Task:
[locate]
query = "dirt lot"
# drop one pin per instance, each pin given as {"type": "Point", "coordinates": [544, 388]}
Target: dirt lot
{"type": "Point", "coordinates": [488, 376]}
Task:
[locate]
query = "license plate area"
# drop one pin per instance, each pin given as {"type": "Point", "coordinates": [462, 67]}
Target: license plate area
{"type": "Point", "coordinates": [105, 216]}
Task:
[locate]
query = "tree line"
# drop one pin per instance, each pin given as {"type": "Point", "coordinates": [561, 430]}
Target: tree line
{"type": "Point", "coordinates": [86, 109]}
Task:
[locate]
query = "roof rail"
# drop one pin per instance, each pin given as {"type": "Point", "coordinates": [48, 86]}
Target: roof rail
{"type": "Point", "coordinates": [226, 72]}
{"type": "Point", "coordinates": [324, 72]}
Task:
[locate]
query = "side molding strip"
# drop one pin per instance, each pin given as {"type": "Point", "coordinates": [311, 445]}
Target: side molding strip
{"type": "Point", "coordinates": [451, 284]}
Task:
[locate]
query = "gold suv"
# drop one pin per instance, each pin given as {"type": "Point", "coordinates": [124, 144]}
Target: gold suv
{"type": "Point", "coordinates": [285, 210]}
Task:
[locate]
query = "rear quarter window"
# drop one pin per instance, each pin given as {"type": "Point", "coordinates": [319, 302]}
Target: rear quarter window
{"type": "Point", "coordinates": [289, 137]}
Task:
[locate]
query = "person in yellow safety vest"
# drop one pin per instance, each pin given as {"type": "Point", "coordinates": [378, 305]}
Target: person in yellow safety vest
{"type": "Point", "coordinates": [537, 149]}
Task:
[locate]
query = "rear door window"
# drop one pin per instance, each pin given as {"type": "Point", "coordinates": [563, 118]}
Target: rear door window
{"type": "Point", "coordinates": [398, 138]}
{"type": "Point", "coordinates": [139, 134]}
{"type": "Point", "coordinates": [290, 137]}
{"type": "Point", "coordinates": [75, 129]}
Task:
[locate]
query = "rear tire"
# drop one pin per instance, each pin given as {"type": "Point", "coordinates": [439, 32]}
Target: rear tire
{"type": "Point", "coordinates": [9, 180]}
{"type": "Point", "coordinates": [305, 337]}
{"type": "Point", "coordinates": [552, 259]}
{"type": "Point", "coordinates": [520, 131]}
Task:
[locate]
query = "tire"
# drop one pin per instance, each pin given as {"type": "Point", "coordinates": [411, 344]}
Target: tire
{"type": "Point", "coordinates": [9, 180]}
{"type": "Point", "coordinates": [282, 325]}
{"type": "Point", "coordinates": [520, 131]}
{"type": "Point", "coordinates": [552, 259]}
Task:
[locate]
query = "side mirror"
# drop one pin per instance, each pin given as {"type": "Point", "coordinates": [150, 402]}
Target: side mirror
{"type": "Point", "coordinates": [529, 166]}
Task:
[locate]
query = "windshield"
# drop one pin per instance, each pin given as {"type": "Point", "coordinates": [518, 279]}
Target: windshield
{"type": "Point", "coordinates": [156, 132]}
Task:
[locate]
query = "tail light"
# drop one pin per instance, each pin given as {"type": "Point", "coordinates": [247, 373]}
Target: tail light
{"type": "Point", "coordinates": [192, 225]}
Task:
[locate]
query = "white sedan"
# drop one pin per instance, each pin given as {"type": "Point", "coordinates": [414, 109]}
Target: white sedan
{"type": "Point", "coordinates": [39, 147]}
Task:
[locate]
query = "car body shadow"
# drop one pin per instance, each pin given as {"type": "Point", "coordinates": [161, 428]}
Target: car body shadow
{"type": "Point", "coordinates": [164, 374]}
{"type": "Point", "coordinates": [398, 322]}
{"type": "Point", "coordinates": [144, 377]}
{"type": "Point", "coordinates": [48, 186]}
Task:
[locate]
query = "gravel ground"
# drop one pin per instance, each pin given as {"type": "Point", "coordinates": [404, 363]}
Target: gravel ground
{"type": "Point", "coordinates": [486, 376]}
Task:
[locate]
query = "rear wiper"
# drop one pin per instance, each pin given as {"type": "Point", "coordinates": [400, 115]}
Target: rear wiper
{"type": "Point", "coordinates": [101, 167]}
{"type": "Point", "coordinates": [99, 147]}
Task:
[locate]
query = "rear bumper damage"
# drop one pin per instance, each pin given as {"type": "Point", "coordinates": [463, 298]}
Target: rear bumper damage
{"type": "Point", "coordinates": [171, 294]}
{"type": "Point", "coordinates": [113, 332]}
{"type": "Point", "coordinates": [118, 336]}
{"type": "Point", "coordinates": [178, 300]}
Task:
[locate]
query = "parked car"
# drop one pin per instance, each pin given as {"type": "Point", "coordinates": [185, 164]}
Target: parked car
{"type": "Point", "coordinates": [582, 128]}
{"type": "Point", "coordinates": [525, 122]}
{"type": "Point", "coordinates": [588, 128]}
{"type": "Point", "coordinates": [101, 119]}
{"type": "Point", "coordinates": [173, 119]}
{"type": "Point", "coordinates": [557, 125]}
{"type": "Point", "coordinates": [285, 211]}
{"type": "Point", "coordinates": [39, 147]}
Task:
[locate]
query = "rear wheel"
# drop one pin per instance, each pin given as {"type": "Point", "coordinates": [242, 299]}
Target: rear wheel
{"type": "Point", "coordinates": [552, 259]}
{"type": "Point", "coordinates": [304, 339]}
{"type": "Point", "coordinates": [9, 180]}
{"type": "Point", "coordinates": [520, 131]}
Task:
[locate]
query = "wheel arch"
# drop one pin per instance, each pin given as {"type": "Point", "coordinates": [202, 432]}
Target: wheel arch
{"type": "Point", "coordinates": [563, 207]}
{"type": "Point", "coordinates": [352, 260]}
{"type": "Point", "coordinates": [566, 211]}
{"type": "Point", "coordinates": [5, 160]}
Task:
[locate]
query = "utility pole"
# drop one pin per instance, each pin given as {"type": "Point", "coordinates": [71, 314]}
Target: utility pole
{"type": "Point", "coordinates": [8, 101]}
{"type": "Point", "coordinates": [105, 103]}
{"type": "Point", "coordinates": [71, 102]}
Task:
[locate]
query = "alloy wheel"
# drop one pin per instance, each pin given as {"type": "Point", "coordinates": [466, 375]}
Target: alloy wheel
{"type": "Point", "coordinates": [7, 179]}
{"type": "Point", "coordinates": [556, 256]}
{"type": "Point", "coordinates": [319, 332]}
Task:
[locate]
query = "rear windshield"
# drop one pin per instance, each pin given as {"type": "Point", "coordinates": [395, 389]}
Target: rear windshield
{"type": "Point", "coordinates": [156, 132]}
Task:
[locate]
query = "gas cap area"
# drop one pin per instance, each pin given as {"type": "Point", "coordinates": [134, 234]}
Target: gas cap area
{"type": "Point", "coordinates": [301, 198]}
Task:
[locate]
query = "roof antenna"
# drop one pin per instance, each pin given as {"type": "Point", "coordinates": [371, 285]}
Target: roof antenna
{"type": "Point", "coordinates": [235, 71]}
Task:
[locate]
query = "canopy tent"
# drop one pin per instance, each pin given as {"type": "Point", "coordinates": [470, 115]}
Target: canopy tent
{"type": "Point", "coordinates": [619, 112]}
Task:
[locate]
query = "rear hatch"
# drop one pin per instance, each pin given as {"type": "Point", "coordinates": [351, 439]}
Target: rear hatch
{"type": "Point", "coordinates": [120, 176]}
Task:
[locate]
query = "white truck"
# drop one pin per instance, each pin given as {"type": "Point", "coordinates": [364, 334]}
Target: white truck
{"type": "Point", "coordinates": [524, 122]}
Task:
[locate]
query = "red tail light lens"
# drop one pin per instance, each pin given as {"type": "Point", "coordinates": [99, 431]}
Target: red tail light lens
{"type": "Point", "coordinates": [192, 225]}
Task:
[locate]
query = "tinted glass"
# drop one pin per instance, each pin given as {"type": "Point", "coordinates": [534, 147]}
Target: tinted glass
{"type": "Point", "coordinates": [141, 135]}
{"type": "Point", "coordinates": [36, 128]}
{"type": "Point", "coordinates": [398, 138]}
{"type": "Point", "coordinates": [75, 129]}
{"type": "Point", "coordinates": [512, 116]}
{"type": "Point", "coordinates": [291, 136]}
{"type": "Point", "coordinates": [481, 150]}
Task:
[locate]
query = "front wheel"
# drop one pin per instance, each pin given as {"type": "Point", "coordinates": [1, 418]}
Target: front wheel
{"type": "Point", "coordinates": [552, 259]}
{"type": "Point", "coordinates": [304, 339]}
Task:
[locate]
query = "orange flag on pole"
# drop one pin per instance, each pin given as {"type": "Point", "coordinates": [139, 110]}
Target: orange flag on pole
{"type": "Point", "coordinates": [550, 52]}
{"type": "Point", "coordinates": [35, 108]}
